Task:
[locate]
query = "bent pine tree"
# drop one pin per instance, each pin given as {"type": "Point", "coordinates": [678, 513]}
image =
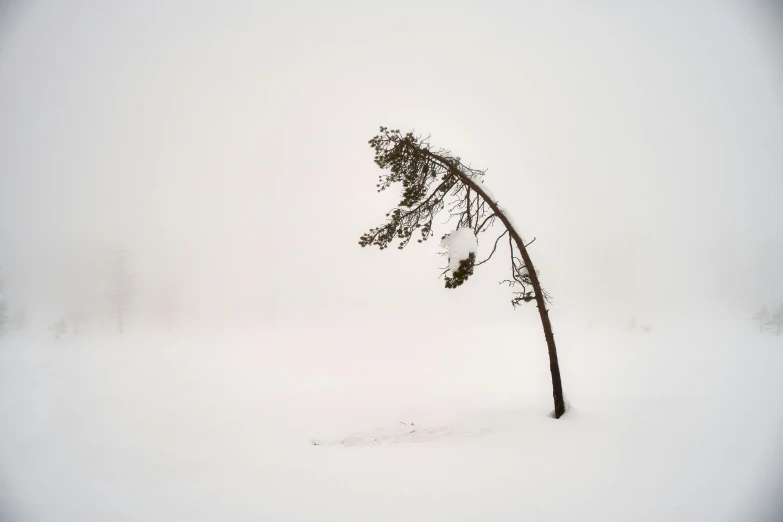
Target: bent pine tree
{"type": "Point", "coordinates": [434, 181]}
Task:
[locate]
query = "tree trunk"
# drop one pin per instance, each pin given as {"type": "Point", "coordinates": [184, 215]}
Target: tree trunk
{"type": "Point", "coordinates": [554, 365]}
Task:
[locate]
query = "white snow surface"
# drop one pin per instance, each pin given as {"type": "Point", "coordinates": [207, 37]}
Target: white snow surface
{"type": "Point", "coordinates": [460, 244]}
{"type": "Point", "coordinates": [679, 423]}
{"type": "Point", "coordinates": [511, 221]}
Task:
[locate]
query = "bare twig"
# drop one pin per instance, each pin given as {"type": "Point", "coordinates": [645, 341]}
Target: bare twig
{"type": "Point", "coordinates": [493, 248]}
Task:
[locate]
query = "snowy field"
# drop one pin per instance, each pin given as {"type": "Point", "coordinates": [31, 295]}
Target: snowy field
{"type": "Point", "coordinates": [345, 425]}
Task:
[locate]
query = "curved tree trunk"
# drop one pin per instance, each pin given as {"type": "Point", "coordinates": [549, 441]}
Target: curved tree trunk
{"type": "Point", "coordinates": [554, 366]}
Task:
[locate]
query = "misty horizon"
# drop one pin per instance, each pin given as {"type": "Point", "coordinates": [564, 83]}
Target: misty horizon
{"type": "Point", "coordinates": [237, 171]}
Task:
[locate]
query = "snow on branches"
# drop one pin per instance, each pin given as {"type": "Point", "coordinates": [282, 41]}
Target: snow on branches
{"type": "Point", "coordinates": [433, 181]}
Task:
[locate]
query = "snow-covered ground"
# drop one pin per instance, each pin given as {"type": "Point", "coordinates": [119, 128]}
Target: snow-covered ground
{"type": "Point", "coordinates": [422, 423]}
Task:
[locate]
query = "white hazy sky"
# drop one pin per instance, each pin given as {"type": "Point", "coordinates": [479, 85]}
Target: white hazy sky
{"type": "Point", "coordinates": [225, 145]}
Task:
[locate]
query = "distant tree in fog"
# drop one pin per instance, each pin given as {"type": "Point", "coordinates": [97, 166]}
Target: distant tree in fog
{"type": "Point", "coordinates": [120, 284]}
{"type": "Point", "coordinates": [435, 183]}
{"type": "Point", "coordinates": [776, 319]}
{"type": "Point", "coordinates": [77, 317]}
{"type": "Point", "coordinates": [3, 308]}
{"type": "Point", "coordinates": [19, 319]}
{"type": "Point", "coordinates": [633, 326]}
{"type": "Point", "coordinates": [762, 316]}
{"type": "Point", "coordinates": [59, 328]}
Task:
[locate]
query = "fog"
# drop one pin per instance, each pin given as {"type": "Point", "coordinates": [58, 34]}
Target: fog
{"type": "Point", "coordinates": [225, 147]}
{"type": "Point", "coordinates": [271, 369]}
